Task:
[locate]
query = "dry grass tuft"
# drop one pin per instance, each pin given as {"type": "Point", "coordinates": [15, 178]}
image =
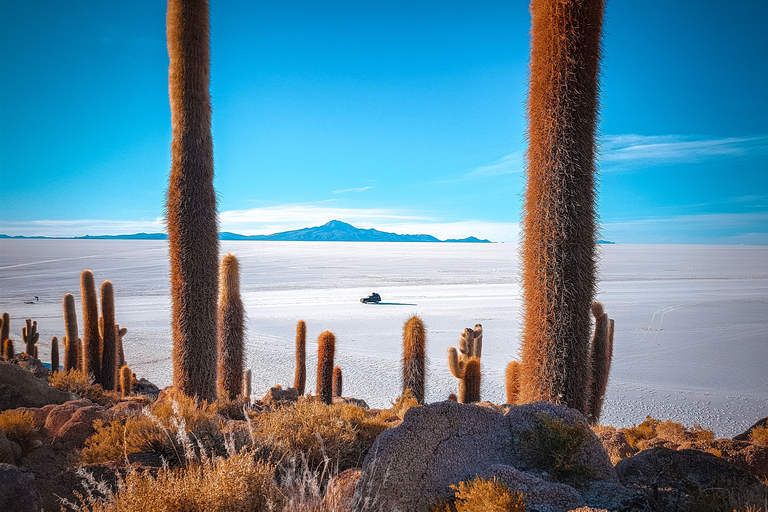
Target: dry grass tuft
{"type": "Point", "coordinates": [19, 426]}
{"type": "Point", "coordinates": [480, 495]}
{"type": "Point", "coordinates": [759, 436]}
{"type": "Point", "coordinates": [639, 435]}
{"type": "Point", "coordinates": [77, 382]}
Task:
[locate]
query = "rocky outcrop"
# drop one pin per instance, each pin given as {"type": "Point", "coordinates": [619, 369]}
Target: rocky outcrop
{"type": "Point", "coordinates": [413, 465]}
{"type": "Point", "coordinates": [7, 455]}
{"type": "Point", "coordinates": [18, 490]}
{"type": "Point", "coordinates": [277, 396]}
{"type": "Point", "coordinates": [748, 456]}
{"type": "Point", "coordinates": [19, 388]}
{"type": "Point", "coordinates": [616, 444]}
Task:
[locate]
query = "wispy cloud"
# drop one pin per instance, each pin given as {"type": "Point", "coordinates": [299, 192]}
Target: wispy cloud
{"type": "Point", "coordinates": [508, 164]}
{"type": "Point", "coordinates": [617, 149]}
{"type": "Point", "coordinates": [361, 189]}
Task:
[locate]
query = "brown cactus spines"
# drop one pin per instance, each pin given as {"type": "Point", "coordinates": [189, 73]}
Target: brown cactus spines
{"type": "Point", "coordinates": [559, 233]}
{"type": "Point", "coordinates": [477, 332]}
{"type": "Point", "coordinates": [109, 337]}
{"type": "Point", "coordinates": [231, 329]}
{"type": "Point", "coordinates": [193, 237]}
{"type": "Point", "coordinates": [71, 338]}
{"type": "Point", "coordinates": [30, 336]}
{"type": "Point", "coordinates": [513, 382]}
{"type": "Point", "coordinates": [414, 357]}
{"type": "Point", "coordinates": [300, 377]}
{"type": "Point", "coordinates": [470, 348]}
{"type": "Point", "coordinates": [247, 377]}
{"type": "Point", "coordinates": [8, 351]}
{"type": "Point", "coordinates": [5, 327]}
{"type": "Point", "coordinates": [325, 353]}
{"type": "Point", "coordinates": [337, 382]}
{"type": "Point", "coordinates": [91, 357]}
{"type": "Point", "coordinates": [126, 380]}
{"type": "Point", "coordinates": [55, 354]}
{"type": "Point", "coordinates": [470, 392]}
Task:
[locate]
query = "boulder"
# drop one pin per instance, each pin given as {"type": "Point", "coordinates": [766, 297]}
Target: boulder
{"type": "Point", "coordinates": [541, 495]}
{"type": "Point", "coordinates": [411, 466]}
{"type": "Point", "coordinates": [358, 402]}
{"type": "Point", "coordinates": [748, 456]}
{"type": "Point", "coordinates": [79, 427]}
{"type": "Point", "coordinates": [278, 395]}
{"type": "Point", "coordinates": [18, 491]}
{"type": "Point", "coordinates": [33, 365]}
{"type": "Point", "coordinates": [615, 444]}
{"type": "Point", "coordinates": [144, 387]}
{"type": "Point", "coordinates": [126, 408]}
{"type": "Point", "coordinates": [61, 414]}
{"type": "Point", "coordinates": [19, 388]}
{"type": "Point", "coordinates": [7, 455]}
{"type": "Point", "coordinates": [341, 489]}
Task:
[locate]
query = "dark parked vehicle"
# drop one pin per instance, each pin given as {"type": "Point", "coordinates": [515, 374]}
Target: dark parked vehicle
{"type": "Point", "coordinates": [373, 298]}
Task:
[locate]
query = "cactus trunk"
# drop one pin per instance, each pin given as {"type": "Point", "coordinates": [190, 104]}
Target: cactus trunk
{"type": "Point", "coordinates": [231, 330]}
{"type": "Point", "coordinates": [601, 361]}
{"type": "Point", "coordinates": [325, 353]}
{"type": "Point", "coordinates": [5, 327]}
{"type": "Point", "coordinates": [513, 382]}
{"type": "Point", "coordinates": [191, 203]}
{"type": "Point", "coordinates": [559, 232]}
{"type": "Point", "coordinates": [55, 354]}
{"type": "Point", "coordinates": [109, 337]}
{"type": "Point", "coordinates": [414, 357]}
{"type": "Point", "coordinates": [337, 381]}
{"type": "Point", "coordinates": [247, 377]}
{"type": "Point", "coordinates": [91, 353]}
{"type": "Point", "coordinates": [8, 351]}
{"type": "Point", "coordinates": [300, 377]}
{"type": "Point", "coordinates": [469, 392]}
{"type": "Point", "coordinates": [126, 380]}
{"type": "Point", "coordinates": [71, 338]}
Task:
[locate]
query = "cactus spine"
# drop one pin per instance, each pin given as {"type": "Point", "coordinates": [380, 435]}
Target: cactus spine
{"type": "Point", "coordinates": [460, 367]}
{"type": "Point", "coordinates": [231, 329]}
{"type": "Point", "coordinates": [193, 237]}
{"type": "Point", "coordinates": [91, 357]}
{"type": "Point", "coordinates": [300, 377]}
{"type": "Point", "coordinates": [55, 354]}
{"type": "Point", "coordinates": [108, 336]}
{"type": "Point", "coordinates": [414, 357]}
{"type": "Point", "coordinates": [71, 340]}
{"type": "Point", "coordinates": [601, 354]}
{"type": "Point", "coordinates": [30, 336]}
{"type": "Point", "coordinates": [126, 380]}
{"type": "Point", "coordinates": [558, 249]}
{"type": "Point", "coordinates": [337, 382]}
{"type": "Point", "coordinates": [513, 382]}
{"type": "Point", "coordinates": [5, 327]}
{"type": "Point", "coordinates": [247, 377]}
{"type": "Point", "coordinates": [325, 352]}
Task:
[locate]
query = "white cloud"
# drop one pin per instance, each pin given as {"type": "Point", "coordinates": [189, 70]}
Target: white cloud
{"type": "Point", "coordinates": [351, 190]}
{"type": "Point", "coordinates": [676, 148]}
{"type": "Point", "coordinates": [512, 163]}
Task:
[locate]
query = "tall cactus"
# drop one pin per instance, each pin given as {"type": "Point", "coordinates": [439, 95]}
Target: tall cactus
{"type": "Point", "coordinates": [325, 353]}
{"type": "Point", "coordinates": [512, 382]}
{"type": "Point", "coordinates": [91, 356]}
{"type": "Point", "coordinates": [54, 354]}
{"type": "Point", "coordinates": [30, 336]}
{"type": "Point", "coordinates": [5, 327]}
{"type": "Point", "coordinates": [247, 378]}
{"type": "Point", "coordinates": [414, 357]}
{"type": "Point", "coordinates": [126, 380]}
{"type": "Point", "coordinates": [300, 377]}
{"type": "Point", "coordinates": [601, 353]}
{"type": "Point", "coordinates": [71, 340]}
{"type": "Point", "coordinates": [337, 382]}
{"type": "Point", "coordinates": [466, 367]}
{"type": "Point", "coordinates": [193, 238]}
{"type": "Point", "coordinates": [559, 232]}
{"type": "Point", "coordinates": [109, 337]}
{"type": "Point", "coordinates": [231, 329]}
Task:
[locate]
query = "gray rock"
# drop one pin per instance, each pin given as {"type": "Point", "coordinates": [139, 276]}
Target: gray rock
{"type": "Point", "coordinates": [19, 388]}
{"type": "Point", "coordinates": [358, 402]}
{"type": "Point", "coordinates": [7, 455]}
{"type": "Point", "coordinates": [413, 465]}
{"type": "Point", "coordinates": [278, 395]}
{"type": "Point", "coordinates": [541, 495]}
{"type": "Point", "coordinates": [18, 491]}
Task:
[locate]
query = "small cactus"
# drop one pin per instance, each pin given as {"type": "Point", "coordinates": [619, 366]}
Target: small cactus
{"type": "Point", "coordinates": [325, 353]}
{"type": "Point", "coordinates": [231, 330]}
{"type": "Point", "coordinates": [300, 377]}
{"type": "Point", "coordinates": [91, 353]}
{"type": "Point", "coordinates": [470, 347]}
{"type": "Point", "coordinates": [8, 352]}
{"type": "Point", "coordinates": [108, 336]}
{"type": "Point", "coordinates": [55, 354]}
{"type": "Point", "coordinates": [247, 377]}
{"type": "Point", "coordinates": [337, 383]}
{"type": "Point", "coordinates": [30, 336]}
{"type": "Point", "coordinates": [120, 332]}
{"type": "Point", "coordinates": [71, 340]}
{"type": "Point", "coordinates": [453, 398]}
{"type": "Point", "coordinates": [600, 358]}
{"type": "Point", "coordinates": [126, 380]}
{"type": "Point", "coordinates": [5, 327]}
{"type": "Point", "coordinates": [513, 382]}
{"type": "Point", "coordinates": [414, 357]}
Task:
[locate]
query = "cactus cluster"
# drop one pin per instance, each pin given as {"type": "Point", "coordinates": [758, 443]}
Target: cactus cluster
{"type": "Point", "coordinates": [30, 336]}
{"type": "Point", "coordinates": [466, 367]}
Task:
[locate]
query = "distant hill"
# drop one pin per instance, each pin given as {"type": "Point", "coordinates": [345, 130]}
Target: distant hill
{"type": "Point", "coordinates": [333, 231]}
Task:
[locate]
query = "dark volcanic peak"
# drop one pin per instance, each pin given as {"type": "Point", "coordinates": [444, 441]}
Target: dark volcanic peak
{"type": "Point", "coordinates": [333, 231]}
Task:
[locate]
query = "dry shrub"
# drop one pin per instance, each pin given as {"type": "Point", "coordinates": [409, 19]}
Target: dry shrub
{"type": "Point", "coordinates": [482, 495]}
{"type": "Point", "coordinates": [19, 426]}
{"type": "Point", "coordinates": [239, 482]}
{"type": "Point", "coordinates": [399, 407]}
{"type": "Point", "coordinates": [759, 436]}
{"type": "Point", "coordinates": [75, 381]}
{"type": "Point", "coordinates": [342, 432]}
{"type": "Point", "coordinates": [554, 446]}
{"type": "Point", "coordinates": [639, 435]}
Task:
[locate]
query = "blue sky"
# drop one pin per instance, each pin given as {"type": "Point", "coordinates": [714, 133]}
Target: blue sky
{"type": "Point", "coordinates": [401, 116]}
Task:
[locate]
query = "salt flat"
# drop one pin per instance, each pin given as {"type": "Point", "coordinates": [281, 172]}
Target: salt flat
{"type": "Point", "coordinates": [691, 321]}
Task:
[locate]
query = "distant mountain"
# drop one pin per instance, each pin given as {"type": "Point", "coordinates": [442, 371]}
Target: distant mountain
{"type": "Point", "coordinates": [605, 242]}
{"type": "Point", "coordinates": [333, 231]}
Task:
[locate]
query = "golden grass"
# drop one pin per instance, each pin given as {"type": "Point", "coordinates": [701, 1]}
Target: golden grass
{"type": "Point", "coordinates": [481, 495]}
{"type": "Point", "coordinates": [759, 436]}
{"type": "Point", "coordinates": [638, 436]}
{"type": "Point", "coordinates": [75, 381]}
{"type": "Point", "coordinates": [19, 426]}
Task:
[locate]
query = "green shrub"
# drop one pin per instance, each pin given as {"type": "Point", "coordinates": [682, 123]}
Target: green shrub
{"type": "Point", "coordinates": [554, 446]}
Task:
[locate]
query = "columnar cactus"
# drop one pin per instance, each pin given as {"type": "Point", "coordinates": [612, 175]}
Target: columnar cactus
{"type": "Point", "coordinates": [414, 357]}
{"type": "Point", "coordinates": [108, 336]}
{"type": "Point", "coordinates": [193, 237]}
{"type": "Point", "coordinates": [120, 332]}
{"type": "Point", "coordinates": [231, 329]}
{"type": "Point", "coordinates": [5, 327]}
{"type": "Point", "coordinates": [8, 351]}
{"type": "Point", "coordinates": [91, 353]}
{"type": "Point", "coordinates": [601, 354]}
{"type": "Point", "coordinates": [468, 375]}
{"type": "Point", "coordinates": [559, 232]}
{"type": "Point", "coordinates": [55, 354]}
{"type": "Point", "coordinates": [247, 377]}
{"type": "Point", "coordinates": [71, 340]}
{"type": "Point", "coordinates": [337, 381]}
{"type": "Point", "coordinates": [126, 380]}
{"type": "Point", "coordinates": [513, 382]}
{"type": "Point", "coordinates": [325, 353]}
{"type": "Point", "coordinates": [300, 377]}
{"type": "Point", "coordinates": [30, 336]}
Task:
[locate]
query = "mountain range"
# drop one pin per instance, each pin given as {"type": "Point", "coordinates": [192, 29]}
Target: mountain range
{"type": "Point", "coordinates": [333, 231]}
